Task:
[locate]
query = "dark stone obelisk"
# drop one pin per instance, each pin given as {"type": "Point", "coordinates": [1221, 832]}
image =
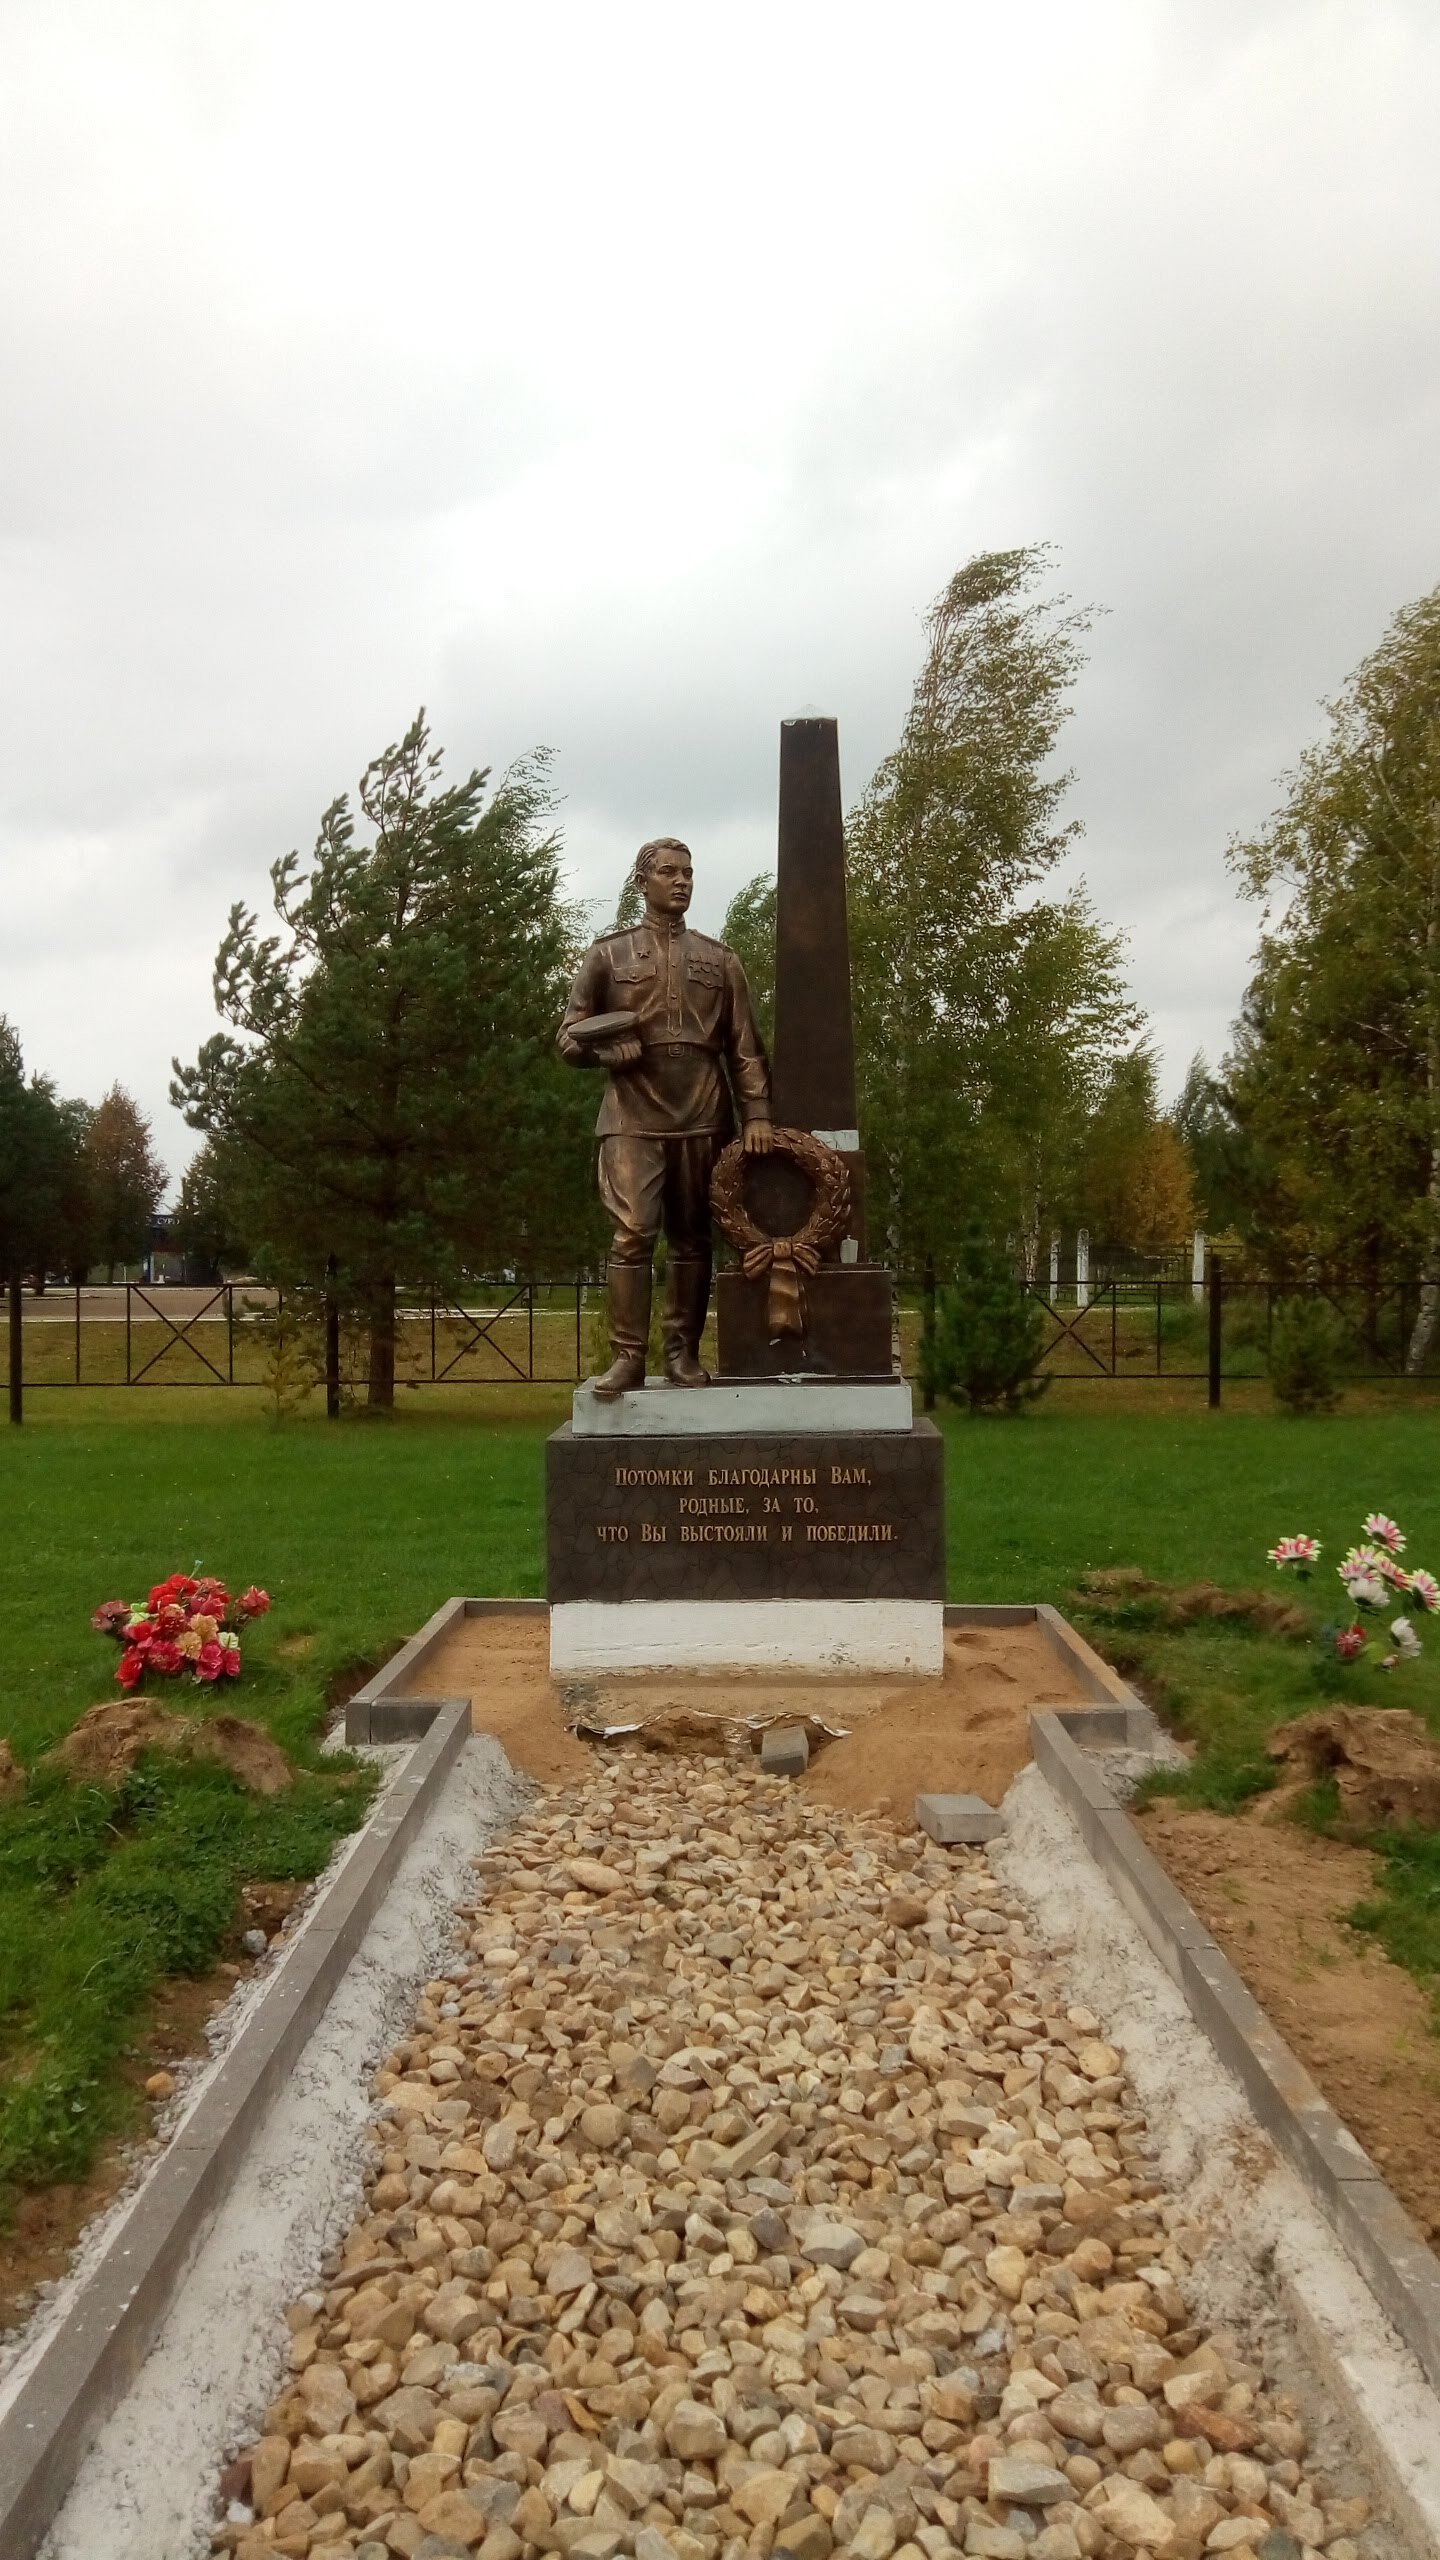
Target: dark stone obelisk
{"type": "Point", "coordinates": [814, 1062]}
{"type": "Point", "coordinates": [849, 1302]}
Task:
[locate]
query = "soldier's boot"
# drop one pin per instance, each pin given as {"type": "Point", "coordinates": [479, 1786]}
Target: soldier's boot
{"type": "Point", "coordinates": [687, 1294]}
{"type": "Point", "coordinates": [629, 1287]}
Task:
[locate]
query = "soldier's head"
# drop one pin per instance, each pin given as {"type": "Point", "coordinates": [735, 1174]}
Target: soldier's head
{"type": "Point", "coordinates": [663, 875]}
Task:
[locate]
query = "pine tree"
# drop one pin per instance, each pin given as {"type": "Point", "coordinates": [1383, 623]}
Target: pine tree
{"type": "Point", "coordinates": [395, 1115]}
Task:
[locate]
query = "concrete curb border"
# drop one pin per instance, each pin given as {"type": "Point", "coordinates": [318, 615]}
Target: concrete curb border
{"type": "Point", "coordinates": [1370, 2223]}
{"type": "Point", "coordinates": [92, 2356]}
{"type": "Point", "coordinates": [387, 1709]}
{"type": "Point", "coordinates": [376, 1714]}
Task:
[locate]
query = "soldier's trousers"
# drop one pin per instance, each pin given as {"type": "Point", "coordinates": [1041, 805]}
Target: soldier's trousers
{"type": "Point", "coordinates": [650, 1184]}
{"type": "Point", "coordinates": [647, 1184]}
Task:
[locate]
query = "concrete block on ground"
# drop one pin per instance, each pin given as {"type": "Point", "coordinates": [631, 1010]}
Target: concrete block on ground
{"type": "Point", "coordinates": [394, 1719]}
{"type": "Point", "coordinates": [785, 1751]}
{"type": "Point", "coordinates": [1111, 1728]}
{"type": "Point", "coordinates": [953, 1820]}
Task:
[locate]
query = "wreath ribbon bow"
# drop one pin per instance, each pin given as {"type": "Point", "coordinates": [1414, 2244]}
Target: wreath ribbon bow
{"type": "Point", "coordinates": [785, 1259]}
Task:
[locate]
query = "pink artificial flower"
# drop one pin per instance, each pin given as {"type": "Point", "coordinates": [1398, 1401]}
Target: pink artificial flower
{"type": "Point", "coordinates": [210, 1661]}
{"type": "Point", "coordinates": [1299, 1552]}
{"type": "Point", "coordinates": [1359, 1563]}
{"type": "Point", "coordinates": [230, 1662]}
{"type": "Point", "coordinates": [165, 1657]}
{"type": "Point", "coordinates": [1349, 1642]}
{"type": "Point", "coordinates": [111, 1618]}
{"type": "Point", "coordinates": [254, 1602]}
{"type": "Point", "coordinates": [1384, 1531]}
{"type": "Point", "coordinates": [1424, 1591]}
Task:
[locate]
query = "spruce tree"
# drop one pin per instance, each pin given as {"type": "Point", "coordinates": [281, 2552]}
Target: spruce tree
{"type": "Point", "coordinates": [984, 1348]}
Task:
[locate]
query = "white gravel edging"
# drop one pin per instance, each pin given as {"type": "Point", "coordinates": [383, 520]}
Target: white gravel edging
{"type": "Point", "coordinates": [145, 2490]}
{"type": "Point", "coordinates": [1268, 2243]}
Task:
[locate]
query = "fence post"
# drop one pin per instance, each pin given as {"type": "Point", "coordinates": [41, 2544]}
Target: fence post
{"type": "Point", "coordinates": [1082, 1268]}
{"type": "Point", "coordinates": [1197, 1264]}
{"type": "Point", "coordinates": [1217, 1291]}
{"type": "Point", "coordinates": [332, 1347]}
{"type": "Point", "coordinates": [927, 1336]}
{"type": "Point", "coordinates": [17, 1349]}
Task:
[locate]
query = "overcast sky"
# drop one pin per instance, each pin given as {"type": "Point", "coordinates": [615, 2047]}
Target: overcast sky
{"type": "Point", "coordinates": [626, 378]}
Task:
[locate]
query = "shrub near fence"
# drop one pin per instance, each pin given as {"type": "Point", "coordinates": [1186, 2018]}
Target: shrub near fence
{"type": "Point", "coordinates": [1158, 1327]}
{"type": "Point", "coordinates": [506, 1332]}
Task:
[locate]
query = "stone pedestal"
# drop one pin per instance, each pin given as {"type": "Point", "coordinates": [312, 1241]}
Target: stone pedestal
{"type": "Point", "coordinates": [810, 1548]}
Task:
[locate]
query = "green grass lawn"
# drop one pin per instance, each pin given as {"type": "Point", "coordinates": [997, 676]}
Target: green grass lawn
{"type": "Point", "coordinates": [360, 1530]}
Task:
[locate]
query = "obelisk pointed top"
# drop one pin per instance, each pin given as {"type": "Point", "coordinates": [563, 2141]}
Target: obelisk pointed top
{"type": "Point", "coordinates": [814, 1064]}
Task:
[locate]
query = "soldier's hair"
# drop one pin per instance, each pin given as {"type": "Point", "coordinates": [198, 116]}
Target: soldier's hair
{"type": "Point", "coordinates": [649, 854]}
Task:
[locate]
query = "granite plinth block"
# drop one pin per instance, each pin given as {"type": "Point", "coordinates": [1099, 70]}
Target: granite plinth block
{"type": "Point", "coordinates": [785, 1751]}
{"type": "Point", "coordinates": [658, 1411]}
{"type": "Point", "coordinates": [849, 1324]}
{"type": "Point", "coordinates": [954, 1820]}
{"type": "Point", "coordinates": [748, 1516]}
{"type": "Point", "coordinates": [823, 1639]}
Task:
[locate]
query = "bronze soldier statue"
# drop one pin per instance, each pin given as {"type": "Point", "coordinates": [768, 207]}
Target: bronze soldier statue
{"type": "Point", "coordinates": [667, 1112]}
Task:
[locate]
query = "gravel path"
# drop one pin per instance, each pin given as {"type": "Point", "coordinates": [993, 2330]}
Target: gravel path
{"type": "Point", "coordinates": [748, 2186]}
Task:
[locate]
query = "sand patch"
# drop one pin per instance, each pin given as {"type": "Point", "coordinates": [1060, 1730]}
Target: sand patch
{"type": "Point", "coordinates": [1274, 1896]}
{"type": "Point", "coordinates": [967, 1732]}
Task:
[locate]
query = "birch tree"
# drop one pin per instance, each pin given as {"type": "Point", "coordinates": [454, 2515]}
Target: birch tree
{"type": "Point", "coordinates": [1344, 1016]}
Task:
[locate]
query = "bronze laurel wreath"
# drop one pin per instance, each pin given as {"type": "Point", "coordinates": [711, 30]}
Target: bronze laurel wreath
{"type": "Point", "coordinates": [784, 1257]}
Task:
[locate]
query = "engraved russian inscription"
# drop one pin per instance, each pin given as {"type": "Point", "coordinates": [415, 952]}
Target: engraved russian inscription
{"type": "Point", "coordinates": [758, 1520]}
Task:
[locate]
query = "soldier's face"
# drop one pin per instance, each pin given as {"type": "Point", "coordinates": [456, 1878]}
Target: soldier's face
{"type": "Point", "coordinates": [669, 884]}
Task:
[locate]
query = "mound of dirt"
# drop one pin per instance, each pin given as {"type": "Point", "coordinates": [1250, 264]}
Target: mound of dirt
{"type": "Point", "coordinates": [1383, 1761]}
{"type": "Point", "coordinates": [108, 1740]}
{"type": "Point", "coordinates": [1267, 1611]}
{"type": "Point", "coordinates": [246, 1750]}
{"type": "Point", "coordinates": [1115, 1582]}
{"type": "Point", "coordinates": [12, 1776]}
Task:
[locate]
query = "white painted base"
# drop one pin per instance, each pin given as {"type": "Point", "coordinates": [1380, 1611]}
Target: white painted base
{"type": "Point", "coordinates": [837, 1638]}
{"type": "Point", "coordinates": [658, 1411]}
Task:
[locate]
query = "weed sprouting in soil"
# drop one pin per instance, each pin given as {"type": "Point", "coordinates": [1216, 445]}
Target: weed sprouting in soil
{"type": "Point", "coordinates": [1404, 1913]}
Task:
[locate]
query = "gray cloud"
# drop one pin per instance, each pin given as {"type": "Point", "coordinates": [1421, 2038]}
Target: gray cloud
{"type": "Point", "coordinates": [625, 382]}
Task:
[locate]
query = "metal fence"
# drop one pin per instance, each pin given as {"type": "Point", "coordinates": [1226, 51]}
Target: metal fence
{"type": "Point", "coordinates": [1157, 1326]}
{"type": "Point", "coordinates": [1166, 1326]}
{"type": "Point", "coordinates": [152, 1334]}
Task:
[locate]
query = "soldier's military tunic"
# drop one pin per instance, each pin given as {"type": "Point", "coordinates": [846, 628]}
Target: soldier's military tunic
{"type": "Point", "coordinates": [663, 1121]}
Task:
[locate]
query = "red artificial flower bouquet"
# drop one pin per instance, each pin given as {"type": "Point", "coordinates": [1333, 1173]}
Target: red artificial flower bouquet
{"type": "Point", "coordinates": [188, 1624]}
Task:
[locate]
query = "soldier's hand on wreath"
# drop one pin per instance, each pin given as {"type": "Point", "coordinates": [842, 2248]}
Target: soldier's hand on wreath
{"type": "Point", "coordinates": [619, 1053]}
{"type": "Point", "coordinates": [759, 1138]}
